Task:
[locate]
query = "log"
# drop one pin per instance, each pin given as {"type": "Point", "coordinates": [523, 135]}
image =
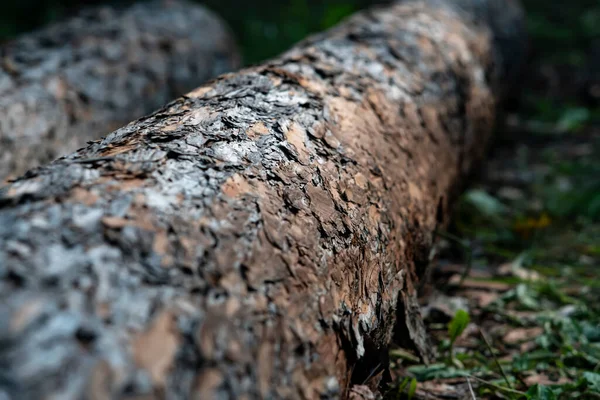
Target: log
{"type": "Point", "coordinates": [263, 235]}
{"type": "Point", "coordinates": [78, 80]}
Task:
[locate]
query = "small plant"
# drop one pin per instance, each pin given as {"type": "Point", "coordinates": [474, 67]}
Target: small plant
{"type": "Point", "coordinates": [455, 328]}
{"type": "Point", "coordinates": [540, 392]}
{"type": "Point", "coordinates": [412, 388]}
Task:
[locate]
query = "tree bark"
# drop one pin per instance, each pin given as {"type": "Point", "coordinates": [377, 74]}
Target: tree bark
{"type": "Point", "coordinates": [78, 80]}
{"type": "Point", "coordinates": [261, 236]}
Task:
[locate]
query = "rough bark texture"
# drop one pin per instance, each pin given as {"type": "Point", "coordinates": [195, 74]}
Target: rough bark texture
{"type": "Point", "coordinates": [78, 80]}
{"type": "Point", "coordinates": [262, 236]}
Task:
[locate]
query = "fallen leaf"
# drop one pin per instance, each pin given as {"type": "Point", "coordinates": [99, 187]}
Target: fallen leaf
{"type": "Point", "coordinates": [519, 335]}
{"type": "Point", "coordinates": [482, 298]}
{"type": "Point", "coordinates": [460, 268]}
{"type": "Point", "coordinates": [361, 392]}
{"type": "Point", "coordinates": [476, 284]}
{"type": "Point", "coordinates": [515, 268]}
{"type": "Point", "coordinates": [543, 379]}
{"type": "Point", "coordinates": [527, 347]}
{"type": "Point", "coordinates": [434, 389]}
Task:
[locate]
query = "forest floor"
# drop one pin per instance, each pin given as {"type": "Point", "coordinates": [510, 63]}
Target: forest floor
{"type": "Point", "coordinates": [514, 304]}
{"type": "Point", "coordinates": [522, 263]}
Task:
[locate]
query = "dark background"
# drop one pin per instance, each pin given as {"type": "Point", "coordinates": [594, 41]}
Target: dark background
{"type": "Point", "coordinates": [266, 27]}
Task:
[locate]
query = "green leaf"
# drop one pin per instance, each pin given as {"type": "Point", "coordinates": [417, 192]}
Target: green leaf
{"type": "Point", "coordinates": [403, 385]}
{"type": "Point", "coordinates": [593, 380]}
{"type": "Point", "coordinates": [458, 324]}
{"type": "Point", "coordinates": [541, 392]}
{"type": "Point", "coordinates": [404, 355]}
{"type": "Point", "coordinates": [435, 371]}
{"type": "Point", "coordinates": [412, 389]}
{"type": "Point", "coordinates": [526, 296]}
{"type": "Point", "coordinates": [486, 204]}
{"type": "Point", "coordinates": [573, 119]}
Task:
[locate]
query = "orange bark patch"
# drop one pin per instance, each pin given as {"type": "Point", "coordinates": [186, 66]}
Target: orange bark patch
{"type": "Point", "coordinates": [118, 223]}
{"type": "Point", "coordinates": [296, 135]}
{"type": "Point", "coordinates": [207, 382]}
{"type": "Point", "coordinates": [235, 186]}
{"type": "Point", "coordinates": [321, 203]}
{"type": "Point", "coordinates": [414, 191]}
{"type": "Point", "coordinates": [154, 350]}
{"type": "Point", "coordinates": [84, 196]}
{"type": "Point", "coordinates": [25, 315]}
{"type": "Point", "coordinates": [265, 365]}
{"type": "Point", "coordinates": [199, 92]}
{"type": "Point", "coordinates": [258, 129]}
{"type": "Point", "coordinates": [130, 184]}
{"type": "Point", "coordinates": [112, 150]}
{"type": "Point", "coordinates": [161, 243]}
{"type": "Point", "coordinates": [313, 86]}
{"type": "Point", "coordinates": [115, 222]}
{"type": "Point", "coordinates": [360, 180]}
{"type": "Point", "coordinates": [170, 128]}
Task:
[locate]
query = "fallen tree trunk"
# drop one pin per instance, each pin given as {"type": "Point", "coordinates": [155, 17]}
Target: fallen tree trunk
{"type": "Point", "coordinates": [263, 235]}
{"type": "Point", "coordinates": [78, 80]}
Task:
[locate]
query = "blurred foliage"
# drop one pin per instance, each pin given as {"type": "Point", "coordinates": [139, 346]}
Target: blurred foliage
{"type": "Point", "coordinates": [263, 28]}
{"type": "Point", "coordinates": [569, 26]}
{"type": "Point", "coordinates": [565, 44]}
{"type": "Point", "coordinates": [266, 28]}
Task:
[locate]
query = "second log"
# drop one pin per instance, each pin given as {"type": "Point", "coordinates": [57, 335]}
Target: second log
{"type": "Point", "coordinates": [79, 79]}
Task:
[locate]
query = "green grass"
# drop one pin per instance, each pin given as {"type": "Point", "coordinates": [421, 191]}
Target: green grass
{"type": "Point", "coordinates": [554, 287]}
{"type": "Point", "coordinates": [567, 351]}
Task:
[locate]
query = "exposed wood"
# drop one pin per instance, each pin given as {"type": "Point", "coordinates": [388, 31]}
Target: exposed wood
{"type": "Point", "coordinates": [262, 236]}
{"type": "Point", "coordinates": [78, 80]}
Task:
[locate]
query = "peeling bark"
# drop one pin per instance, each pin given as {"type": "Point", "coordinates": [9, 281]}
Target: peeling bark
{"type": "Point", "coordinates": [78, 80]}
{"type": "Point", "coordinates": [261, 236]}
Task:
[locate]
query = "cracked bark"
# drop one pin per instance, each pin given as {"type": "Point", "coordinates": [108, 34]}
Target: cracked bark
{"type": "Point", "coordinates": [261, 236]}
{"type": "Point", "coordinates": [78, 80]}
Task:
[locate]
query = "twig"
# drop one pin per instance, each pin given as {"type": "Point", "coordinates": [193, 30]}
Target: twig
{"type": "Point", "coordinates": [498, 387]}
{"type": "Point", "coordinates": [372, 373]}
{"type": "Point", "coordinates": [489, 346]}
{"type": "Point", "coordinates": [471, 389]}
{"type": "Point", "coordinates": [405, 355]}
